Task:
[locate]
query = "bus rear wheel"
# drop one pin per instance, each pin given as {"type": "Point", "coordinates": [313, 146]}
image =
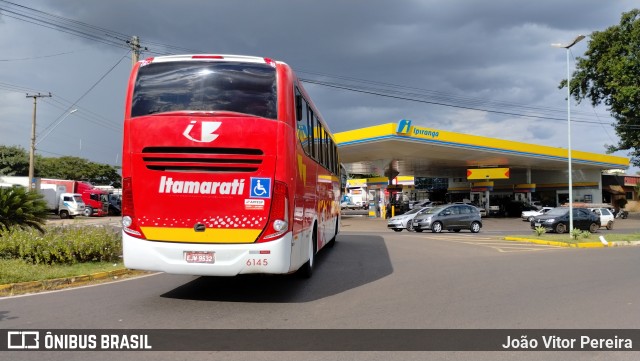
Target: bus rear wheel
{"type": "Point", "coordinates": [306, 271]}
{"type": "Point", "coordinates": [332, 242]}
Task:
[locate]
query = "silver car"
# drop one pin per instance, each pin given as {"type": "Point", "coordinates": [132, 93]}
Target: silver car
{"type": "Point", "coordinates": [452, 217]}
{"type": "Point", "coordinates": [402, 221]}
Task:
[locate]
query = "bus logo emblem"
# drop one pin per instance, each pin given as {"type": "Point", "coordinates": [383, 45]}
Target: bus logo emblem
{"type": "Point", "coordinates": [206, 131]}
{"type": "Point", "coordinates": [260, 188]}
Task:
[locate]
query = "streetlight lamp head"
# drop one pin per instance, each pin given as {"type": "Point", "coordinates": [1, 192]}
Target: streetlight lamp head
{"type": "Point", "coordinates": [55, 125]}
{"type": "Point", "coordinates": [567, 46]}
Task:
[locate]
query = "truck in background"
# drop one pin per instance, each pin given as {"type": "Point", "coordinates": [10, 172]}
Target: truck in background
{"type": "Point", "coordinates": [65, 205]}
{"type": "Point", "coordinates": [357, 192]}
{"type": "Point", "coordinates": [115, 199]}
{"type": "Point", "coordinates": [96, 202]}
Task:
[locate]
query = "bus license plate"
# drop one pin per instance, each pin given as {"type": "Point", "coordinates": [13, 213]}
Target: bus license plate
{"type": "Point", "coordinates": [199, 257]}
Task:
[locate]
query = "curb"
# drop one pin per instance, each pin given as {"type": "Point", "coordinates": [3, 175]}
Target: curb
{"type": "Point", "coordinates": [13, 289]}
{"type": "Point", "coordinates": [573, 245]}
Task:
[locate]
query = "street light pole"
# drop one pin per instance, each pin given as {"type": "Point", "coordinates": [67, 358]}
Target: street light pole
{"type": "Point", "coordinates": [567, 47]}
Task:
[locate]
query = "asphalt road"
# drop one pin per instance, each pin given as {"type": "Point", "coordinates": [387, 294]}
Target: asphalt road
{"type": "Point", "coordinates": [373, 279]}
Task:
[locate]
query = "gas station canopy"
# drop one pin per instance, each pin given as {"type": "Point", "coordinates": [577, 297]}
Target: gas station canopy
{"type": "Point", "coordinates": [400, 148]}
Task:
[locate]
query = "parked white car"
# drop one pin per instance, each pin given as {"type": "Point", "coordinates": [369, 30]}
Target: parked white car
{"type": "Point", "coordinates": [424, 203]}
{"type": "Point", "coordinates": [606, 216]}
{"type": "Point", "coordinates": [530, 215]}
{"type": "Point", "coordinates": [483, 212]}
{"type": "Point", "coordinates": [404, 221]}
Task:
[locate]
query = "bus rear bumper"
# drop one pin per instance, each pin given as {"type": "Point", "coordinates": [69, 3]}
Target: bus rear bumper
{"type": "Point", "coordinates": [228, 259]}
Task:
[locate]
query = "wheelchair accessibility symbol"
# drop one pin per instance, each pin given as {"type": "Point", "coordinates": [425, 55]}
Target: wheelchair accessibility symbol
{"type": "Point", "coordinates": [260, 188]}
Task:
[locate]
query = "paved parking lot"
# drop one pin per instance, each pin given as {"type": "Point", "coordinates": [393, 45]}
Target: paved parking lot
{"type": "Point", "coordinates": [491, 235]}
{"type": "Point", "coordinates": [495, 243]}
{"type": "Point", "coordinates": [490, 225]}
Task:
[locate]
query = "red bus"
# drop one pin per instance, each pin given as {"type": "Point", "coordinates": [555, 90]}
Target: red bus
{"type": "Point", "coordinates": [228, 168]}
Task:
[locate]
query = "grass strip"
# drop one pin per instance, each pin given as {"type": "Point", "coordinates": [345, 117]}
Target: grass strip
{"type": "Point", "coordinates": [15, 270]}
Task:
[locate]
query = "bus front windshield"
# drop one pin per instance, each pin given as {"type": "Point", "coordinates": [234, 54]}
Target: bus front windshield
{"type": "Point", "coordinates": [247, 88]}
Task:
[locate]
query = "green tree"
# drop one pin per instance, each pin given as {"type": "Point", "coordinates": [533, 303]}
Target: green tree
{"type": "Point", "coordinates": [76, 168]}
{"type": "Point", "coordinates": [610, 75]}
{"type": "Point", "coordinates": [63, 168]}
{"type": "Point", "coordinates": [14, 161]}
{"type": "Point", "coordinates": [23, 209]}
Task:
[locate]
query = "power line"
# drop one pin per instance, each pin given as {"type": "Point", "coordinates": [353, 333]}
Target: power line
{"type": "Point", "coordinates": [426, 101]}
{"type": "Point", "coordinates": [388, 90]}
{"type": "Point", "coordinates": [430, 94]}
{"type": "Point", "coordinates": [593, 109]}
{"type": "Point", "coordinates": [395, 91]}
{"type": "Point", "coordinates": [87, 92]}
{"type": "Point", "coordinates": [83, 114]}
{"type": "Point", "coordinates": [16, 88]}
{"type": "Point", "coordinates": [36, 57]}
{"type": "Point", "coordinates": [66, 25]}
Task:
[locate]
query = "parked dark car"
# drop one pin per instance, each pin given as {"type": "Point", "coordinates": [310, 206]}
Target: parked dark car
{"type": "Point", "coordinates": [557, 220]}
{"type": "Point", "coordinates": [452, 217]}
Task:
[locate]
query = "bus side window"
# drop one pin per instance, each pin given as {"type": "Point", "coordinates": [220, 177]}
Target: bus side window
{"type": "Point", "coordinates": [321, 153]}
{"type": "Point", "coordinates": [332, 157]}
{"type": "Point", "coordinates": [298, 105]}
{"type": "Point", "coordinates": [317, 139]}
{"type": "Point", "coordinates": [312, 132]}
{"type": "Point", "coordinates": [304, 122]}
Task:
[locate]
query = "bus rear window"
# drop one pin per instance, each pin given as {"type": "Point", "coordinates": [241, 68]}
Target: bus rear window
{"type": "Point", "coordinates": [205, 86]}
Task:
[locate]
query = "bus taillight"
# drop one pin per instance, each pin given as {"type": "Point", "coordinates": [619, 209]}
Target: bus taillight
{"type": "Point", "coordinates": [279, 214]}
{"type": "Point", "coordinates": [129, 224]}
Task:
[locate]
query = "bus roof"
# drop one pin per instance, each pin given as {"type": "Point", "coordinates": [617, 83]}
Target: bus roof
{"type": "Point", "coordinates": [212, 57]}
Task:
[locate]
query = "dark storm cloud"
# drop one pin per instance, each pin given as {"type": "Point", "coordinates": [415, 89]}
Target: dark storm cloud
{"type": "Point", "coordinates": [373, 39]}
{"type": "Point", "coordinates": [470, 53]}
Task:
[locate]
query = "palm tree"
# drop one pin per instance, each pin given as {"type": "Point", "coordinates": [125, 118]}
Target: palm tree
{"type": "Point", "coordinates": [23, 209]}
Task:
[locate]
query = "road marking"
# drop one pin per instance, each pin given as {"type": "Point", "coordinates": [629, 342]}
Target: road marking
{"type": "Point", "coordinates": [499, 245]}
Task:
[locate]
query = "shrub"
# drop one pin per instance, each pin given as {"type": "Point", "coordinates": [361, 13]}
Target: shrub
{"type": "Point", "coordinates": [22, 209]}
{"type": "Point", "coordinates": [575, 233]}
{"type": "Point", "coordinates": [585, 234]}
{"type": "Point", "coordinates": [62, 245]}
{"type": "Point", "coordinates": [540, 231]}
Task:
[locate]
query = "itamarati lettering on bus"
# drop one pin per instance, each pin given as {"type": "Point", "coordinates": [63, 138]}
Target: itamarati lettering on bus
{"type": "Point", "coordinates": [168, 185]}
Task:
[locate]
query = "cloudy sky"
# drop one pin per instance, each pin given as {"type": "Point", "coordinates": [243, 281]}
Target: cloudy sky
{"type": "Point", "coordinates": [477, 67]}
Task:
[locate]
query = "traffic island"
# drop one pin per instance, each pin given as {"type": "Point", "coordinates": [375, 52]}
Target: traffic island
{"type": "Point", "coordinates": [598, 244]}
{"type": "Point", "coordinates": [13, 289]}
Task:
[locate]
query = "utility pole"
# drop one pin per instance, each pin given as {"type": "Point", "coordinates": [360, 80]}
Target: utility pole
{"type": "Point", "coordinates": [32, 183]}
{"type": "Point", "coordinates": [136, 49]}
